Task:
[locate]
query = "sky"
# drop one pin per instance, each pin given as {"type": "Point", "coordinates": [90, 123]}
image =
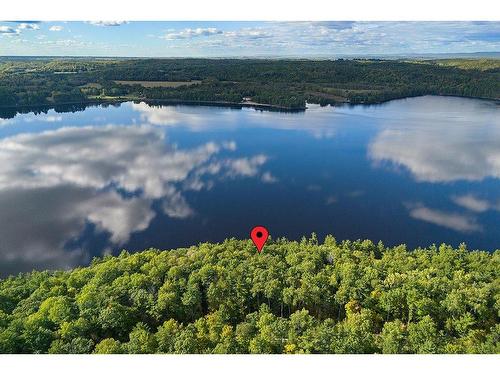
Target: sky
{"type": "Point", "coordinates": [245, 39]}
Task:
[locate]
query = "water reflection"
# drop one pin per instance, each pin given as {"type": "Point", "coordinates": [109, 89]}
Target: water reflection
{"type": "Point", "coordinates": [168, 116]}
{"type": "Point", "coordinates": [53, 183]}
{"type": "Point", "coordinates": [414, 171]}
{"type": "Point", "coordinates": [444, 140]}
{"type": "Point", "coordinates": [447, 139]}
{"type": "Point", "coordinates": [452, 220]}
{"type": "Point", "coordinates": [317, 122]}
{"type": "Point", "coordinates": [475, 204]}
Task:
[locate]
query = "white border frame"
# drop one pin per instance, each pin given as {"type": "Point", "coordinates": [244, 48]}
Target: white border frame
{"type": "Point", "coordinates": [251, 10]}
{"type": "Point", "coordinates": [248, 364]}
{"type": "Point", "coordinates": [263, 10]}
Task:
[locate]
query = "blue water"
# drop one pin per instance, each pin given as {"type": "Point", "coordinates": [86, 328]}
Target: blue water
{"type": "Point", "coordinates": [76, 185]}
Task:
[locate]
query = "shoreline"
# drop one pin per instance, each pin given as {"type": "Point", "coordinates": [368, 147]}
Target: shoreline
{"type": "Point", "coordinates": [117, 100]}
{"type": "Point", "coordinates": [236, 105]}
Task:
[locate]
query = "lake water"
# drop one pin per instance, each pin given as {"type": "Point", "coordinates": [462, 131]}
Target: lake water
{"type": "Point", "coordinates": [76, 185]}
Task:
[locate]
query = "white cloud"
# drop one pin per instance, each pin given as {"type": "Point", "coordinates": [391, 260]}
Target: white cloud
{"type": "Point", "coordinates": [107, 23]}
{"type": "Point", "coordinates": [28, 26]}
{"type": "Point", "coordinates": [62, 43]}
{"type": "Point", "coordinates": [350, 38]}
{"type": "Point", "coordinates": [55, 28]}
{"type": "Point", "coordinates": [451, 220]}
{"type": "Point", "coordinates": [8, 30]}
{"type": "Point", "coordinates": [192, 33]}
{"type": "Point", "coordinates": [249, 33]}
{"type": "Point", "coordinates": [323, 39]}
{"type": "Point", "coordinates": [24, 26]}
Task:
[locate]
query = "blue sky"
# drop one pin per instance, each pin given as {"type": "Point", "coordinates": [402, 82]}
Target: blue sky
{"type": "Point", "coordinates": [229, 39]}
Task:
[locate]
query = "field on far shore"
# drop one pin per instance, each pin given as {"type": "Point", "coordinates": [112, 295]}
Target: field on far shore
{"type": "Point", "coordinates": [158, 83]}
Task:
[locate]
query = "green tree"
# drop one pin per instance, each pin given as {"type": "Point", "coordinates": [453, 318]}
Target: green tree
{"type": "Point", "coordinates": [109, 346]}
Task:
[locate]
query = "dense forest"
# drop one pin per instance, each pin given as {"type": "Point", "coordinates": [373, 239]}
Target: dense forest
{"type": "Point", "coordinates": [294, 297]}
{"type": "Point", "coordinates": [285, 84]}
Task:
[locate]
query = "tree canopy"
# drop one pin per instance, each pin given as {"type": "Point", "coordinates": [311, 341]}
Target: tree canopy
{"type": "Point", "coordinates": [294, 297]}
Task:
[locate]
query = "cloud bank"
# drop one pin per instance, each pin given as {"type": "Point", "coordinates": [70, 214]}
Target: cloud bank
{"type": "Point", "coordinates": [287, 39]}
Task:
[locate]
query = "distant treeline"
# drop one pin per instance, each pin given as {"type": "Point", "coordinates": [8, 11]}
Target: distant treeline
{"type": "Point", "coordinates": [281, 83]}
{"type": "Point", "coordinates": [294, 297]}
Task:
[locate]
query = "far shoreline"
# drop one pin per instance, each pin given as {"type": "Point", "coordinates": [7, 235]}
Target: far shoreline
{"type": "Point", "coordinates": [174, 102]}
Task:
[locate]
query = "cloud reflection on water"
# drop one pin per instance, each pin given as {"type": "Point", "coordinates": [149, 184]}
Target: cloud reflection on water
{"type": "Point", "coordinates": [445, 143]}
{"type": "Point", "coordinates": [195, 119]}
{"type": "Point", "coordinates": [53, 183]}
{"type": "Point", "coordinates": [131, 184]}
{"type": "Point", "coordinates": [443, 140]}
{"type": "Point", "coordinates": [451, 220]}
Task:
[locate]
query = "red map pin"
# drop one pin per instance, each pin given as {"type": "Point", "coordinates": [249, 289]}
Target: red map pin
{"type": "Point", "coordinates": [259, 236]}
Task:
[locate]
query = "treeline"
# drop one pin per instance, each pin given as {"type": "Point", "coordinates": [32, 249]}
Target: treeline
{"type": "Point", "coordinates": [283, 83]}
{"type": "Point", "coordinates": [11, 112]}
{"type": "Point", "coordinates": [295, 297]}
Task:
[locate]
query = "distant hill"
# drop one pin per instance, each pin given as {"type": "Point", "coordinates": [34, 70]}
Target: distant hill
{"type": "Point", "coordinates": [482, 64]}
{"type": "Point", "coordinates": [470, 55]}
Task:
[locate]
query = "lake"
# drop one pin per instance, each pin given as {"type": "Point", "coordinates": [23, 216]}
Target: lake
{"type": "Point", "coordinates": [77, 185]}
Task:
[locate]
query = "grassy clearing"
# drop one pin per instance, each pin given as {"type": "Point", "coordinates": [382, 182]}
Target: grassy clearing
{"type": "Point", "coordinates": [478, 64]}
{"type": "Point", "coordinates": [92, 85]}
{"type": "Point", "coordinates": [158, 83]}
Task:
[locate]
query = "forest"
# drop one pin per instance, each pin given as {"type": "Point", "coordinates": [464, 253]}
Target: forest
{"type": "Point", "coordinates": [283, 84]}
{"type": "Point", "coordinates": [301, 296]}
